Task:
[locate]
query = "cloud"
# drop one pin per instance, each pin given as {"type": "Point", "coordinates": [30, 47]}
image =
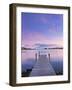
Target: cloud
{"type": "Point", "coordinates": [45, 45]}
{"type": "Point", "coordinates": [38, 45]}
{"type": "Point", "coordinates": [34, 39]}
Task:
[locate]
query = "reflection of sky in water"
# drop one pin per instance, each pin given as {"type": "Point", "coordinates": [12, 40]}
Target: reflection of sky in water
{"type": "Point", "coordinates": [28, 58]}
{"type": "Point", "coordinates": [30, 54]}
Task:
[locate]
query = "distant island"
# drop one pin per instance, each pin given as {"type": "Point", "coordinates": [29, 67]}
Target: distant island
{"type": "Point", "coordinates": [24, 48]}
{"type": "Point", "coordinates": [55, 48]}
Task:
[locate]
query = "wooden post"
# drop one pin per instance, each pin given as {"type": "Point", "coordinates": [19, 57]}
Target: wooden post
{"type": "Point", "coordinates": [39, 54]}
{"type": "Point", "coordinates": [36, 56]}
{"type": "Point", "coordinates": [49, 56]}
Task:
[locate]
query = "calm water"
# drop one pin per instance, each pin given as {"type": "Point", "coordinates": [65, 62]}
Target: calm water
{"type": "Point", "coordinates": [28, 59]}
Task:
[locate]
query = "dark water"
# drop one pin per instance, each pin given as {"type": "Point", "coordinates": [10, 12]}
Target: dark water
{"type": "Point", "coordinates": [58, 67]}
{"type": "Point", "coordinates": [26, 67]}
{"type": "Point", "coordinates": [28, 61]}
{"type": "Point", "coordinates": [28, 64]}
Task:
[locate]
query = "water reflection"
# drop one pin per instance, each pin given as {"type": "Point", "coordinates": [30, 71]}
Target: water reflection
{"type": "Point", "coordinates": [28, 60]}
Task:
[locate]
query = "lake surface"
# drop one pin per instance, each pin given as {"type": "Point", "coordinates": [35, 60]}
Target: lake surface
{"type": "Point", "coordinates": [28, 60]}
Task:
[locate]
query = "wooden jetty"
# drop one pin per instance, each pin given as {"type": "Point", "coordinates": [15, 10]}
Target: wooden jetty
{"type": "Point", "coordinates": [42, 66]}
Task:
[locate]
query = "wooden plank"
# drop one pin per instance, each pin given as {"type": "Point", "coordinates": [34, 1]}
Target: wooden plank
{"type": "Point", "coordinates": [42, 67]}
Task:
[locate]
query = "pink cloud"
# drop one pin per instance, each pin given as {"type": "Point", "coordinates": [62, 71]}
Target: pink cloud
{"type": "Point", "coordinates": [34, 38]}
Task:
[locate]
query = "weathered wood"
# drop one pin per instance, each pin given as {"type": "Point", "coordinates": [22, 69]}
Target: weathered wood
{"type": "Point", "coordinates": [42, 67]}
{"type": "Point", "coordinates": [49, 56]}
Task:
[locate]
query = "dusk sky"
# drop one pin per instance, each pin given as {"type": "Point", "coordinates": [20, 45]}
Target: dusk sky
{"type": "Point", "coordinates": [43, 29]}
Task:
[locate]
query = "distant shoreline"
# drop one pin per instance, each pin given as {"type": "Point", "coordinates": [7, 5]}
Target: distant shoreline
{"type": "Point", "coordinates": [23, 48]}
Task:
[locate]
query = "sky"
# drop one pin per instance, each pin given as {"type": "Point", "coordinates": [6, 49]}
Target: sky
{"type": "Point", "coordinates": [41, 30]}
